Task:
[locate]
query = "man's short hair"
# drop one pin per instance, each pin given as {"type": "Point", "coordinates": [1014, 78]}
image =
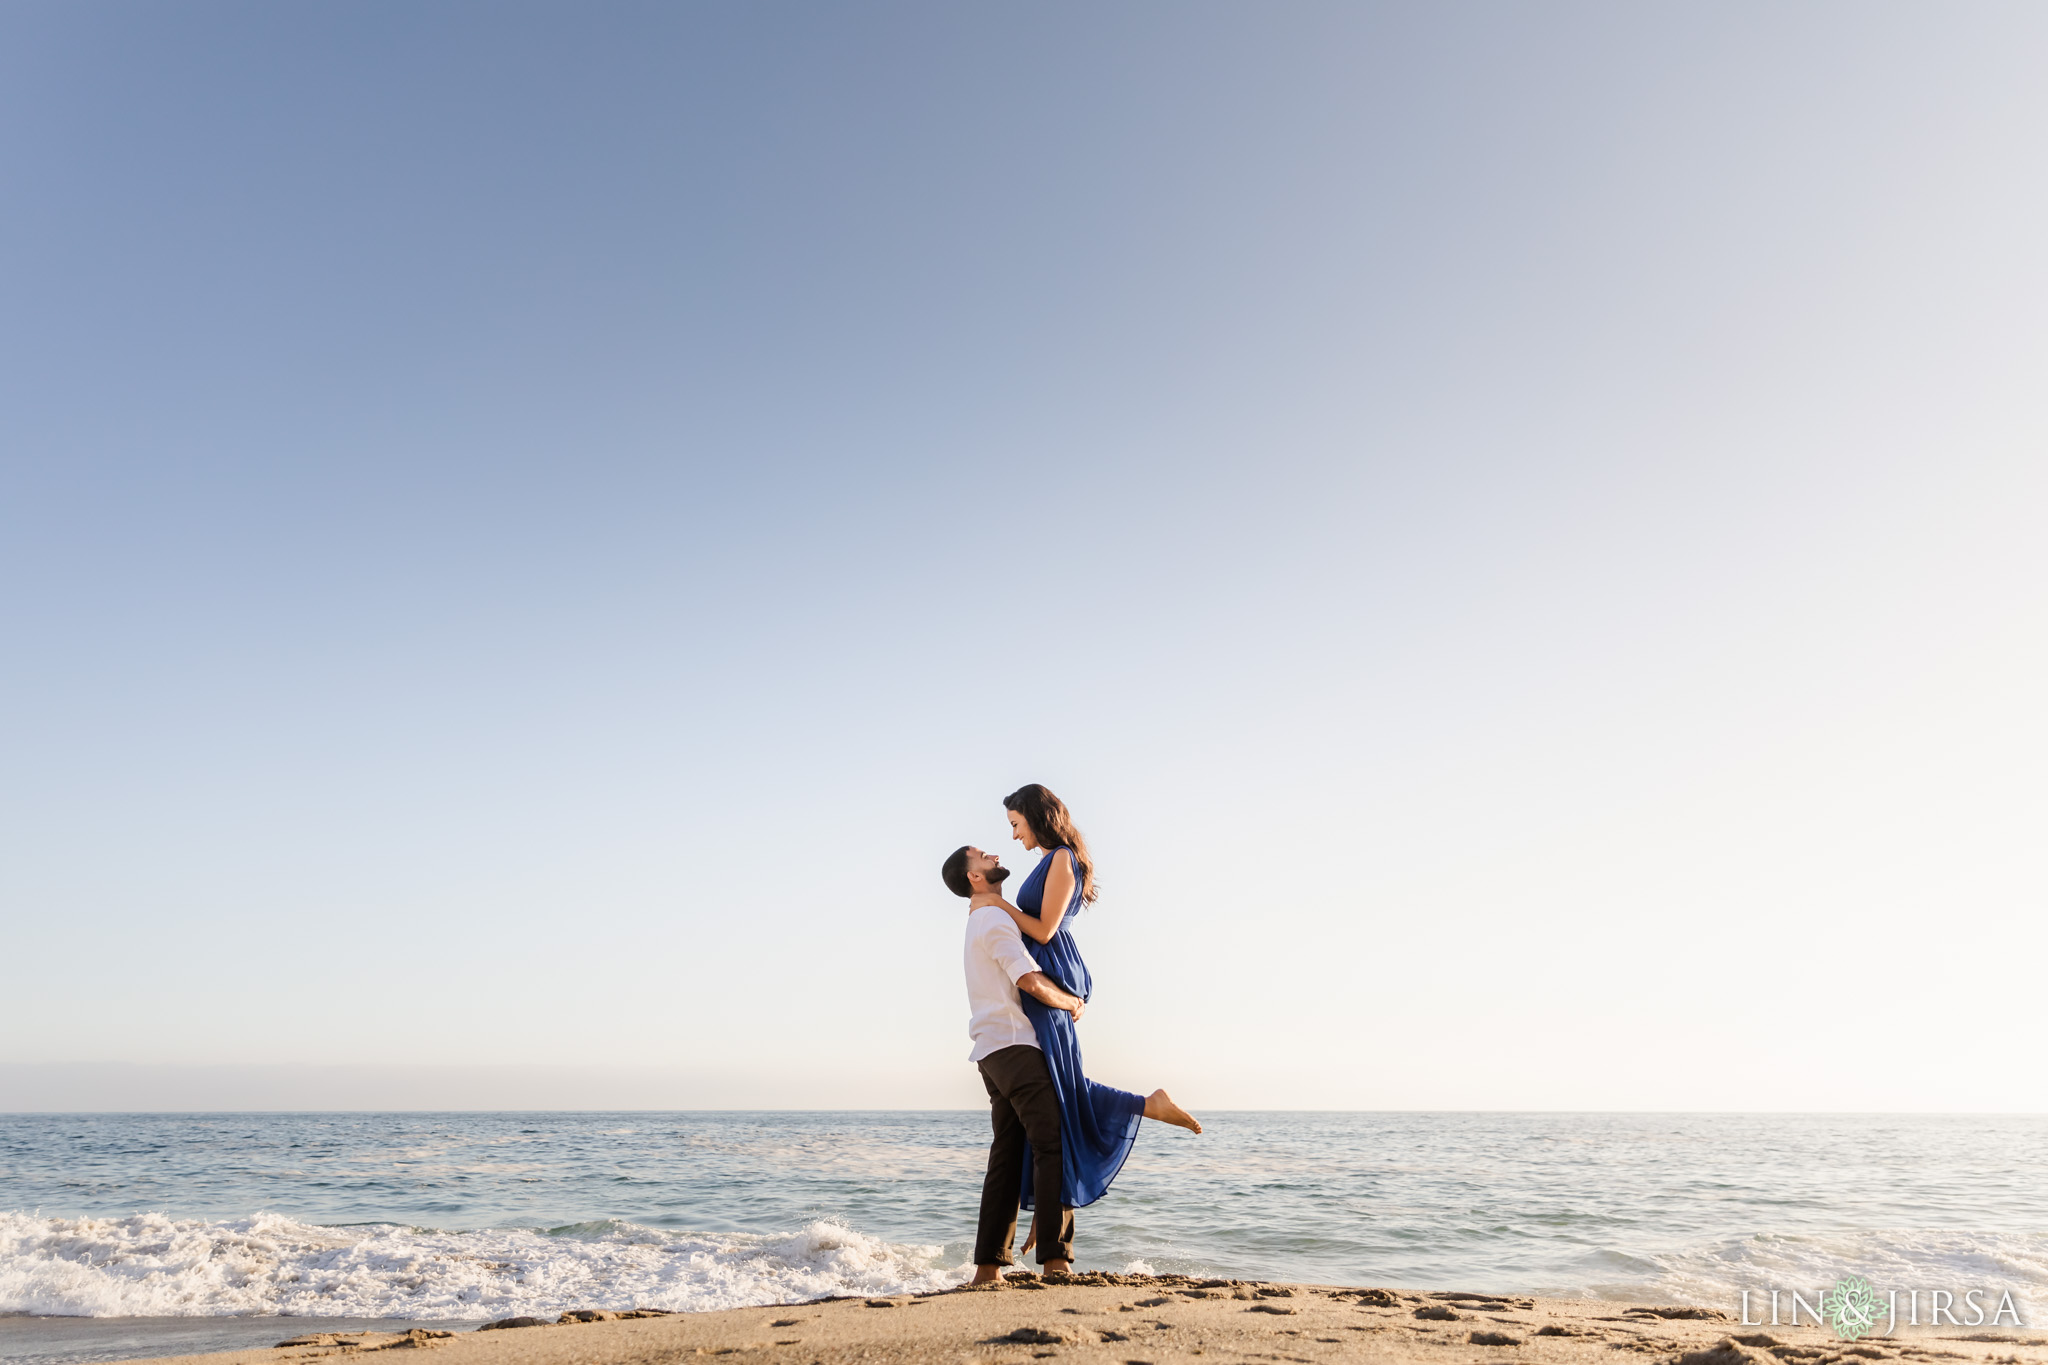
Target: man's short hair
{"type": "Point", "coordinates": [954, 871]}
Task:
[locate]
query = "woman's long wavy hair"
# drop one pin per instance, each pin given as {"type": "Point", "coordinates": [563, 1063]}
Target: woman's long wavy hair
{"type": "Point", "coordinates": [1053, 827]}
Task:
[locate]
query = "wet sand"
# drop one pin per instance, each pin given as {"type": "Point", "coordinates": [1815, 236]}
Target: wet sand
{"type": "Point", "coordinates": [1143, 1320]}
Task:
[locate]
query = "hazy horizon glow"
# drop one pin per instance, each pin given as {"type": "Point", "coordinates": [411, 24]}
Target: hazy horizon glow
{"type": "Point", "coordinates": [527, 533]}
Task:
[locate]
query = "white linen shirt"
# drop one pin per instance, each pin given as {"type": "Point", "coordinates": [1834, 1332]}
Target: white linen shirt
{"type": "Point", "coordinates": [996, 960]}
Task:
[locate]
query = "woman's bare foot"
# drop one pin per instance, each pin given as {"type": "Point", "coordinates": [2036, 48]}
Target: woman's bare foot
{"type": "Point", "coordinates": [1159, 1105]}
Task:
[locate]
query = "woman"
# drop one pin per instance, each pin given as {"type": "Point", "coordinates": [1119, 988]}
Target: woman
{"type": "Point", "coordinates": [1098, 1124]}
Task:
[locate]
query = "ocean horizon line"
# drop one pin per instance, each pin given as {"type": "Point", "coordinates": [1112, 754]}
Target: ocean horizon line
{"type": "Point", "coordinates": [205, 1111]}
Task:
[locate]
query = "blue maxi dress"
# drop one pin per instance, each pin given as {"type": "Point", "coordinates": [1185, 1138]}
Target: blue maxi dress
{"type": "Point", "coordinates": [1098, 1124]}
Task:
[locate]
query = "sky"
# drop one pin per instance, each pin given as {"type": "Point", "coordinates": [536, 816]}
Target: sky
{"type": "Point", "coordinates": [527, 532]}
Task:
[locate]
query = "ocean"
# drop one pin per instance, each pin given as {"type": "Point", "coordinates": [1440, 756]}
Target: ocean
{"type": "Point", "coordinates": [121, 1233]}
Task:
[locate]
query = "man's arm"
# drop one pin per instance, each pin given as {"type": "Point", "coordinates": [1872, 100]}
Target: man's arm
{"type": "Point", "coordinates": [1040, 985]}
{"type": "Point", "coordinates": [1001, 940]}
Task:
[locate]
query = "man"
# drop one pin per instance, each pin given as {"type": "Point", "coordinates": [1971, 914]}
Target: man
{"type": "Point", "coordinates": [1022, 1104]}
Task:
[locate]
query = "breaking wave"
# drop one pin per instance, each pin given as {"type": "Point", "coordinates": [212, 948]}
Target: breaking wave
{"type": "Point", "coordinates": [155, 1266]}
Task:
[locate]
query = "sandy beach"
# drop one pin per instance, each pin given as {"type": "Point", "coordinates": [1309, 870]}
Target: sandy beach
{"type": "Point", "coordinates": [1148, 1320]}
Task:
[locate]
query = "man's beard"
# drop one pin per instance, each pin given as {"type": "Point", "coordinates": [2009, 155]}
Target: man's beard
{"type": "Point", "coordinates": [995, 876]}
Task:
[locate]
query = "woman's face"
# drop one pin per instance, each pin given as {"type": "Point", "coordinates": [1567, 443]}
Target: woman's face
{"type": "Point", "coordinates": [1020, 830]}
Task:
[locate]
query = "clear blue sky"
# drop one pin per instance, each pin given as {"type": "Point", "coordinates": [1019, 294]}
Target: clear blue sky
{"type": "Point", "coordinates": [526, 532]}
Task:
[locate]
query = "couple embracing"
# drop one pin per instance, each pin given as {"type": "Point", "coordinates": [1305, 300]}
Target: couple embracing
{"type": "Point", "coordinates": [1060, 1138]}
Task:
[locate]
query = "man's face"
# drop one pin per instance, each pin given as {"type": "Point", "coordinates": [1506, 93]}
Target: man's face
{"type": "Point", "coordinates": [985, 871]}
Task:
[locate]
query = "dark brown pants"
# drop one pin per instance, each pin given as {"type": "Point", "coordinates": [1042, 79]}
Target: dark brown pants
{"type": "Point", "coordinates": [1023, 1108]}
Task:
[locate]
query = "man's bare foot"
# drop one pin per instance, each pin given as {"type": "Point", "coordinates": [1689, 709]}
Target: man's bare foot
{"type": "Point", "coordinates": [986, 1274]}
{"type": "Point", "coordinates": [1159, 1105]}
{"type": "Point", "coordinates": [1058, 1267]}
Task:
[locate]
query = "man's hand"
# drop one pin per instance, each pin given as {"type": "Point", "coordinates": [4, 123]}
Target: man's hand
{"type": "Point", "coordinates": [1041, 987]}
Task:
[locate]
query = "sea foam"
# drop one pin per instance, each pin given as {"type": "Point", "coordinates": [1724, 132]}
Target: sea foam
{"type": "Point", "coordinates": [1716, 1273]}
{"type": "Point", "coordinates": [152, 1265]}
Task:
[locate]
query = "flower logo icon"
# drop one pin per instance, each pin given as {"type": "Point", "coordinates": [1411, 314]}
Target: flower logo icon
{"type": "Point", "coordinates": [1851, 1307]}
